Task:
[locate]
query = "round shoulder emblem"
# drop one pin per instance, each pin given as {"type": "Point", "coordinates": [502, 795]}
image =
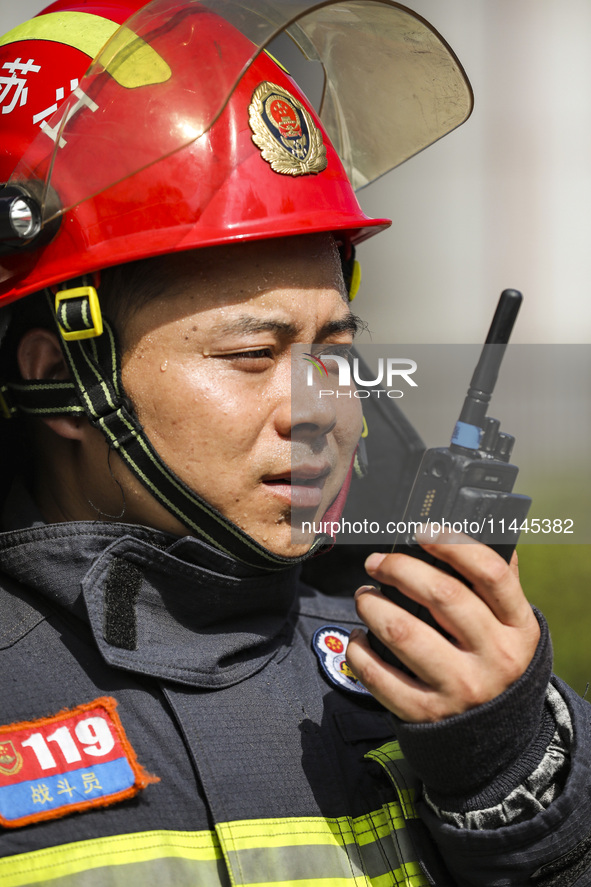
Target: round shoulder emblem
{"type": "Point", "coordinates": [330, 645]}
{"type": "Point", "coordinates": [285, 132]}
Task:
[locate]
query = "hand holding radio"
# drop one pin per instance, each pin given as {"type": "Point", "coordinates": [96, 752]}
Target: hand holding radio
{"type": "Point", "coordinates": [451, 628]}
{"type": "Point", "coordinates": [486, 636]}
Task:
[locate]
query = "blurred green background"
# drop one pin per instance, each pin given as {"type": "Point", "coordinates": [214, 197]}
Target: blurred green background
{"type": "Point", "coordinates": [556, 579]}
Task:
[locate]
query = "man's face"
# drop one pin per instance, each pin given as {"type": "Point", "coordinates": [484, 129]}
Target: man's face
{"type": "Point", "coordinates": [208, 368]}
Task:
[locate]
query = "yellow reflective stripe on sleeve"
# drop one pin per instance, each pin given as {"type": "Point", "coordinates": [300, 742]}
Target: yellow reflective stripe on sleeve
{"type": "Point", "coordinates": [390, 750]}
{"type": "Point", "coordinates": [309, 851]}
{"type": "Point", "coordinates": [374, 849]}
{"type": "Point", "coordinates": [304, 831]}
{"type": "Point", "coordinates": [306, 882]}
{"type": "Point", "coordinates": [397, 878]}
{"type": "Point", "coordinates": [369, 851]}
{"type": "Point", "coordinates": [54, 863]}
{"type": "Point", "coordinates": [392, 759]}
{"type": "Point", "coordinates": [409, 875]}
{"type": "Point", "coordinates": [81, 30]}
{"type": "Point", "coordinates": [380, 823]}
{"type": "Point", "coordinates": [295, 831]}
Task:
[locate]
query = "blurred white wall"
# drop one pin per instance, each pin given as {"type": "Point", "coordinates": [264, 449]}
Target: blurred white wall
{"type": "Point", "coordinates": [505, 201]}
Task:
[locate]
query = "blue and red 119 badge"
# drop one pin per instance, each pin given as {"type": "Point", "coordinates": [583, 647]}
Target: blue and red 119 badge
{"type": "Point", "coordinates": [75, 760]}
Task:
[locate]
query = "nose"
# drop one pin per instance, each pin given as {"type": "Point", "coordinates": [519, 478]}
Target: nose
{"type": "Point", "coordinates": [312, 414]}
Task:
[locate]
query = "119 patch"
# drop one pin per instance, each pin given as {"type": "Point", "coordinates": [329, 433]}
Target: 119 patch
{"type": "Point", "coordinates": [330, 645]}
{"type": "Point", "coordinates": [75, 760]}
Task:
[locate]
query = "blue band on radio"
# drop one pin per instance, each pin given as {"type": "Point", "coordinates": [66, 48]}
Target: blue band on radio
{"type": "Point", "coordinates": [466, 435]}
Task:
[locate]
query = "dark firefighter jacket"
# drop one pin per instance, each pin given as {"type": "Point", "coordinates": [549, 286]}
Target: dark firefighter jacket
{"type": "Point", "coordinates": [232, 756]}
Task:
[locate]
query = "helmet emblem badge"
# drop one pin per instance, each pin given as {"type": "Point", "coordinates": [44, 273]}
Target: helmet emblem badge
{"type": "Point", "coordinates": [285, 132]}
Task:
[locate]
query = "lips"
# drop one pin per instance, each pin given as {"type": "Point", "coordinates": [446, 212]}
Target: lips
{"type": "Point", "coordinates": [302, 486]}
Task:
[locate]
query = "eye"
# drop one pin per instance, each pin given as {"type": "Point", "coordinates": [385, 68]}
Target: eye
{"type": "Point", "coordinates": [252, 360]}
{"type": "Point", "coordinates": [255, 354]}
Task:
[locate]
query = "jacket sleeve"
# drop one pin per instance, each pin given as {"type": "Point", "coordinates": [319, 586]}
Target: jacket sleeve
{"type": "Point", "coordinates": [507, 786]}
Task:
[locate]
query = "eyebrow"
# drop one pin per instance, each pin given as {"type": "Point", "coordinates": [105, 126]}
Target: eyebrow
{"type": "Point", "coordinates": [247, 324]}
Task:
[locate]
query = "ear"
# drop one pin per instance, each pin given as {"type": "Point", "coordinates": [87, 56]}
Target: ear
{"type": "Point", "coordinates": [39, 356]}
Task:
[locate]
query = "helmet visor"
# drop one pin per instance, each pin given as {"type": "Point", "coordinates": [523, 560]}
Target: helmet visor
{"type": "Point", "coordinates": [392, 87]}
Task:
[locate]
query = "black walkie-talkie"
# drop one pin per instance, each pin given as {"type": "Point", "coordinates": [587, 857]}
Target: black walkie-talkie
{"type": "Point", "coordinates": [470, 482]}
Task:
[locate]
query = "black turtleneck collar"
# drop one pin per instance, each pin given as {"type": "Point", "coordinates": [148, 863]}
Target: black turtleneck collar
{"type": "Point", "coordinates": [158, 605]}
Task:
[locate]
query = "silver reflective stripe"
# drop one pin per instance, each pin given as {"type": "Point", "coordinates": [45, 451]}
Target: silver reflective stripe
{"type": "Point", "coordinates": [374, 849]}
{"type": "Point", "coordinates": [369, 851]}
{"type": "Point", "coordinates": [149, 859]}
{"type": "Point", "coordinates": [155, 873]}
{"type": "Point", "coordinates": [264, 865]}
{"type": "Point", "coordinates": [307, 863]}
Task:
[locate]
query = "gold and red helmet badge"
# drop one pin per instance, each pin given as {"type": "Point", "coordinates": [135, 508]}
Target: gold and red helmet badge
{"type": "Point", "coordinates": [285, 132]}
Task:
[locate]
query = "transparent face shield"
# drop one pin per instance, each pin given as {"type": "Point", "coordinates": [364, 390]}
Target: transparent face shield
{"type": "Point", "coordinates": [392, 87]}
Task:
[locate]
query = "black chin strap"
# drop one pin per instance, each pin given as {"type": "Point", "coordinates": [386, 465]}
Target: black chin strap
{"type": "Point", "coordinates": [96, 391]}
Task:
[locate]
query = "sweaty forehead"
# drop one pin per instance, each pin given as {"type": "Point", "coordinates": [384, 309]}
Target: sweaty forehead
{"type": "Point", "coordinates": [230, 279]}
{"type": "Point", "coordinates": [237, 271]}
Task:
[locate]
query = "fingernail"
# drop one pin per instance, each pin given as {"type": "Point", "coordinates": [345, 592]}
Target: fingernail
{"type": "Point", "coordinates": [374, 561]}
{"type": "Point", "coordinates": [356, 633]}
{"type": "Point", "coordinates": [363, 588]}
{"type": "Point", "coordinates": [427, 534]}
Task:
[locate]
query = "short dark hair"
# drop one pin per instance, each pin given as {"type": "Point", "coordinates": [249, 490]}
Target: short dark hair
{"type": "Point", "coordinates": [124, 289]}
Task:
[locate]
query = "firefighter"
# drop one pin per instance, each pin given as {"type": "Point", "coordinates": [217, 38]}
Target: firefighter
{"type": "Point", "coordinates": [177, 705]}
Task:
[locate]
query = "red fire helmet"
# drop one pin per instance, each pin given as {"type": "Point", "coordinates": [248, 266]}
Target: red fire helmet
{"type": "Point", "coordinates": [184, 132]}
